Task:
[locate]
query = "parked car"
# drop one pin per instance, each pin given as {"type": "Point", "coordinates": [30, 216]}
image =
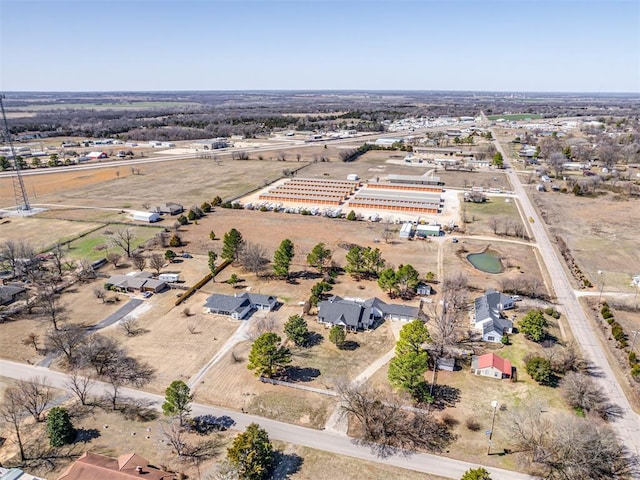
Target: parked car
{"type": "Point", "coordinates": [146, 294]}
{"type": "Point", "coordinates": [186, 255]}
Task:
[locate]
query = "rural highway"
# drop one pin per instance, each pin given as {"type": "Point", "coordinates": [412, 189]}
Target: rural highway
{"type": "Point", "coordinates": [307, 437]}
{"type": "Point", "coordinates": [628, 425]}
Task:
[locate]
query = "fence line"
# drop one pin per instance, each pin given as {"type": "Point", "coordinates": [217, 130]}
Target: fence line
{"type": "Point", "coordinates": [321, 391]}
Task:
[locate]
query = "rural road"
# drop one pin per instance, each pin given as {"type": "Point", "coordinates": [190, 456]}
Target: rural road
{"type": "Point", "coordinates": [628, 425]}
{"type": "Point", "coordinates": [308, 437]}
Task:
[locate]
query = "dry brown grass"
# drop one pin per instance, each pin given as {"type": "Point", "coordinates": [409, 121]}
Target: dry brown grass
{"type": "Point", "coordinates": [40, 232]}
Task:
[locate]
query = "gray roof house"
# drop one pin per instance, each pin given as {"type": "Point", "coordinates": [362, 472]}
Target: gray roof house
{"type": "Point", "coordinates": [9, 293]}
{"type": "Point", "coordinates": [487, 315]}
{"type": "Point", "coordinates": [133, 281]}
{"type": "Point", "coordinates": [239, 306]}
{"type": "Point", "coordinates": [171, 208]}
{"type": "Point", "coordinates": [359, 314]}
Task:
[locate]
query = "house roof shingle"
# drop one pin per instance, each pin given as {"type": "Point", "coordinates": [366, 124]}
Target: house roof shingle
{"type": "Point", "coordinates": [98, 467]}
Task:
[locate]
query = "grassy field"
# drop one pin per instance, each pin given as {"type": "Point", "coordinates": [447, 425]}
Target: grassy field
{"type": "Point", "coordinates": [479, 214]}
{"type": "Point", "coordinates": [41, 232]}
{"type": "Point", "coordinates": [516, 116]}
{"type": "Point", "coordinates": [96, 244]}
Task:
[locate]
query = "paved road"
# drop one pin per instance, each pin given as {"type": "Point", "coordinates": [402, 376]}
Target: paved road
{"type": "Point", "coordinates": [628, 426]}
{"type": "Point", "coordinates": [123, 311]}
{"type": "Point", "coordinates": [308, 437]}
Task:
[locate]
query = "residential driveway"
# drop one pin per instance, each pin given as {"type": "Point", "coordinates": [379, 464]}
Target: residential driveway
{"type": "Point", "coordinates": [122, 312]}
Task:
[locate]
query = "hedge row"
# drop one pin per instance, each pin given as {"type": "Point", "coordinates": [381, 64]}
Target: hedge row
{"type": "Point", "coordinates": [621, 337]}
{"type": "Point", "coordinates": [201, 283]}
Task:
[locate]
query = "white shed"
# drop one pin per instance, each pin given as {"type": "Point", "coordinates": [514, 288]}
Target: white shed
{"type": "Point", "coordinates": [149, 217]}
{"type": "Point", "coordinates": [169, 277]}
{"type": "Point", "coordinates": [353, 177]}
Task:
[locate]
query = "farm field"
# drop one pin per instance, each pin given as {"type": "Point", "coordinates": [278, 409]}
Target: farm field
{"type": "Point", "coordinates": [601, 234]}
{"type": "Point", "coordinates": [42, 232]}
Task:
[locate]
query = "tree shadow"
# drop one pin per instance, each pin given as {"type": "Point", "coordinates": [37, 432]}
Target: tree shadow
{"type": "Point", "coordinates": [445, 396]}
{"type": "Point", "coordinates": [593, 370]}
{"type": "Point", "coordinates": [610, 412]}
{"type": "Point", "coordinates": [301, 374]}
{"type": "Point", "coordinates": [138, 409]}
{"type": "Point", "coordinates": [86, 435]}
{"type": "Point", "coordinates": [314, 339]}
{"type": "Point", "coordinates": [350, 345]}
{"type": "Point", "coordinates": [287, 464]}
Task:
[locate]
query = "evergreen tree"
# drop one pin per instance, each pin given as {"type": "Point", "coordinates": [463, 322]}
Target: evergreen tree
{"type": "Point", "coordinates": [356, 262]}
{"type": "Point", "coordinates": [476, 474]}
{"type": "Point", "coordinates": [212, 257]}
{"type": "Point", "coordinates": [177, 399]}
{"type": "Point", "coordinates": [232, 244]}
{"type": "Point", "coordinates": [533, 325]}
{"type": "Point", "coordinates": [268, 356]}
{"type": "Point", "coordinates": [387, 280]}
{"type": "Point", "coordinates": [319, 257]}
{"type": "Point", "coordinates": [59, 427]}
{"type": "Point", "coordinates": [297, 330]}
{"type": "Point", "coordinates": [337, 335]}
{"type": "Point", "coordinates": [282, 258]}
{"type": "Point", "coordinates": [251, 454]}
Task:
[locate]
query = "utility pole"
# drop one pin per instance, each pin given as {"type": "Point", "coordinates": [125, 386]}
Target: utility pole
{"type": "Point", "coordinates": [601, 288]}
{"type": "Point", "coordinates": [494, 404]}
{"type": "Point", "coordinates": [19, 192]}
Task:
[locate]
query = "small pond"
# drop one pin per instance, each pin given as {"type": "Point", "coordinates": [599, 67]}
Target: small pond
{"type": "Point", "coordinates": [487, 261]}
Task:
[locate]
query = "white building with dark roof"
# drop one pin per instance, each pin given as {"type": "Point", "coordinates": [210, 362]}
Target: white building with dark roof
{"type": "Point", "coordinates": [487, 315]}
{"type": "Point", "coordinates": [239, 306]}
{"type": "Point", "coordinates": [358, 314]}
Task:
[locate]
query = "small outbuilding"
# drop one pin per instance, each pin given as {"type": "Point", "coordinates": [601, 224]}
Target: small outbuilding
{"type": "Point", "coordinates": [491, 365]}
{"type": "Point", "coordinates": [448, 364]}
{"type": "Point", "coordinates": [97, 155]}
{"type": "Point", "coordinates": [170, 207]}
{"type": "Point", "coordinates": [149, 217]}
{"type": "Point", "coordinates": [169, 277]}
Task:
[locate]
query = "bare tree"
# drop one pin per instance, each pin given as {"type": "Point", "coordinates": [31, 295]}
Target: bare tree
{"type": "Point", "coordinates": [139, 262]}
{"type": "Point", "coordinates": [52, 308]}
{"type": "Point", "coordinates": [387, 229]}
{"type": "Point", "coordinates": [66, 340]}
{"type": "Point", "coordinates": [567, 447]}
{"type": "Point", "coordinates": [80, 385]}
{"type": "Point", "coordinates": [36, 395]}
{"type": "Point", "coordinates": [494, 224]}
{"type": "Point", "coordinates": [101, 353]}
{"type": "Point", "coordinates": [557, 160]}
{"type": "Point", "coordinates": [114, 257]}
{"type": "Point", "coordinates": [99, 293]}
{"type": "Point", "coordinates": [126, 371]}
{"type": "Point", "coordinates": [175, 434]}
{"type": "Point", "coordinates": [57, 257]}
{"type": "Point", "coordinates": [12, 412]}
{"type": "Point", "coordinates": [261, 324]}
{"type": "Point", "coordinates": [17, 256]}
{"type": "Point", "coordinates": [389, 427]}
{"type": "Point", "coordinates": [86, 270]}
{"type": "Point", "coordinates": [32, 340]}
{"type": "Point", "coordinates": [254, 257]}
{"type": "Point", "coordinates": [124, 238]}
{"type": "Point", "coordinates": [130, 326]}
{"type": "Point", "coordinates": [156, 261]}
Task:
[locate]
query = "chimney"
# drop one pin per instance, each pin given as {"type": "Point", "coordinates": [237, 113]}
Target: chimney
{"type": "Point", "coordinates": [139, 470]}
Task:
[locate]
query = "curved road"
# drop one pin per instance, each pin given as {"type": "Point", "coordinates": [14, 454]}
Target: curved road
{"type": "Point", "coordinates": [308, 437]}
{"type": "Point", "coordinates": [628, 425]}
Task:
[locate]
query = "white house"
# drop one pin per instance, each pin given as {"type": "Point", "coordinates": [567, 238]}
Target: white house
{"type": "Point", "coordinates": [487, 316]}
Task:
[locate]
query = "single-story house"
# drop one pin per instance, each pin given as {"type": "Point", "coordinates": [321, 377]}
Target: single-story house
{"type": "Point", "coordinates": [170, 207]}
{"type": "Point", "coordinates": [359, 314]}
{"type": "Point", "coordinates": [10, 293]}
{"type": "Point", "coordinates": [97, 155]}
{"type": "Point", "coordinates": [136, 281]}
{"type": "Point", "coordinates": [16, 474]}
{"type": "Point", "coordinates": [98, 467]}
{"type": "Point", "coordinates": [239, 306]}
{"type": "Point", "coordinates": [491, 365]}
{"type": "Point", "coordinates": [487, 315]}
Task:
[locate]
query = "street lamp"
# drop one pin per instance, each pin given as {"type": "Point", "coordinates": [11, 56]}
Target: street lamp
{"type": "Point", "coordinates": [601, 287]}
{"type": "Point", "coordinates": [494, 404]}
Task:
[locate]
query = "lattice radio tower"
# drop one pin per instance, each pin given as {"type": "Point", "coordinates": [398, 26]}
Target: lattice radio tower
{"type": "Point", "coordinates": [22, 201]}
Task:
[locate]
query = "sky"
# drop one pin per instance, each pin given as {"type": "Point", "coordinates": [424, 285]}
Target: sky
{"type": "Point", "coordinates": [476, 45]}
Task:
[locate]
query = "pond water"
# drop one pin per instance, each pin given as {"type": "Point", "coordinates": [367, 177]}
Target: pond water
{"type": "Point", "coordinates": [488, 261]}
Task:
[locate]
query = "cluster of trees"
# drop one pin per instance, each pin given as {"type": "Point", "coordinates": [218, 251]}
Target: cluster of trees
{"type": "Point", "coordinates": [401, 282]}
{"type": "Point", "coordinates": [364, 262]}
{"type": "Point", "coordinates": [383, 423]}
{"type": "Point", "coordinates": [564, 446]}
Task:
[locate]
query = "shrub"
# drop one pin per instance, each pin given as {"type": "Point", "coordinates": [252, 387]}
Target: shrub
{"type": "Point", "coordinates": [540, 370]}
{"type": "Point", "coordinates": [472, 424]}
{"type": "Point", "coordinates": [635, 372]}
{"type": "Point", "coordinates": [633, 358]}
